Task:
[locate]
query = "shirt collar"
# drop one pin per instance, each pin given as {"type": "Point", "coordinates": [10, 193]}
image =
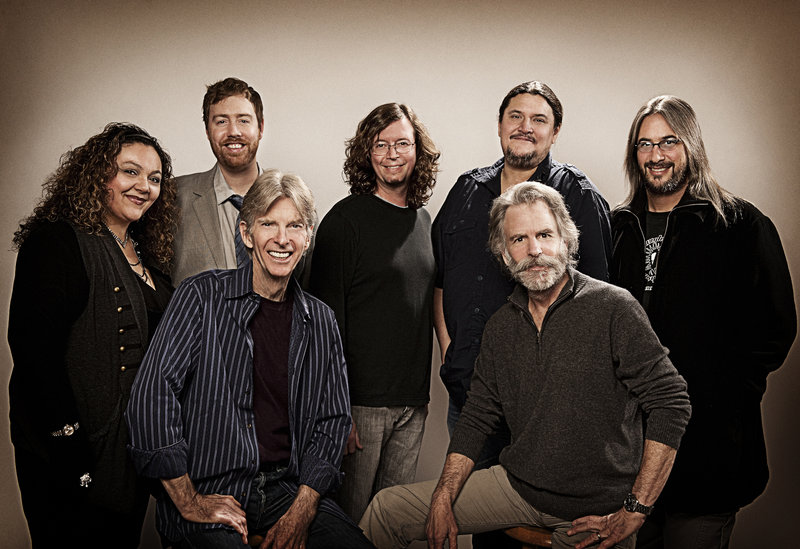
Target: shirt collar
{"type": "Point", "coordinates": [241, 284]}
{"type": "Point", "coordinates": [222, 190]}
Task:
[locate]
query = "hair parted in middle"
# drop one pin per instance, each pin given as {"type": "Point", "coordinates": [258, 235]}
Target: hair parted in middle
{"type": "Point", "coordinates": [530, 192]}
{"type": "Point", "coordinates": [223, 89]}
{"type": "Point", "coordinates": [272, 185]}
{"type": "Point", "coordinates": [701, 183]}
{"type": "Point", "coordinates": [358, 170]}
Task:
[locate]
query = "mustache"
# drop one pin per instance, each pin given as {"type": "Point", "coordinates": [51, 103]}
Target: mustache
{"type": "Point", "coordinates": [527, 136]}
{"type": "Point", "coordinates": [662, 164]}
{"type": "Point", "coordinates": [528, 262]}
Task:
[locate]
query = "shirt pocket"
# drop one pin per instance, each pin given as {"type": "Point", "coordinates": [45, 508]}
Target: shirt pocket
{"type": "Point", "coordinates": [462, 242]}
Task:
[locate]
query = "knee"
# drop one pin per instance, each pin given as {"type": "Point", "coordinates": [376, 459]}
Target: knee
{"type": "Point", "coordinates": [393, 518]}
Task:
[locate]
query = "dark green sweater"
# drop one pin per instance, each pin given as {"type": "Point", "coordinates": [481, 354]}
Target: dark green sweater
{"type": "Point", "coordinates": [574, 395]}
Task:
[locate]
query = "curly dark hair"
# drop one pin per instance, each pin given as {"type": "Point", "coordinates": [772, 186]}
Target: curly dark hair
{"type": "Point", "coordinates": [77, 192]}
{"type": "Point", "coordinates": [358, 170]}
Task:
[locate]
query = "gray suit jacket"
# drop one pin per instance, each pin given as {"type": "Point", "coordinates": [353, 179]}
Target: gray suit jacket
{"type": "Point", "coordinates": [198, 240]}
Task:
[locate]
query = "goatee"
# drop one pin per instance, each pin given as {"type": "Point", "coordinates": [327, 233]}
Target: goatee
{"type": "Point", "coordinates": [527, 161]}
{"type": "Point", "coordinates": [671, 185]}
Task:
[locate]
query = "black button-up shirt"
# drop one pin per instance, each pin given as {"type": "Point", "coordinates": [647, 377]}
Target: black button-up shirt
{"type": "Point", "coordinates": [474, 283]}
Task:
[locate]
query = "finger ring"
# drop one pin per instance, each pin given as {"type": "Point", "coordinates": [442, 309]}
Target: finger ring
{"type": "Point", "coordinates": [599, 537]}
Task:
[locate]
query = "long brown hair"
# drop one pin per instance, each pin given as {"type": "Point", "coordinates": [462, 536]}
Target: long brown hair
{"type": "Point", "coordinates": [701, 183]}
{"type": "Point", "coordinates": [358, 166]}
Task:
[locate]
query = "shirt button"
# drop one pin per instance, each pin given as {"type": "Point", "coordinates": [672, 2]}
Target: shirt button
{"type": "Point", "coordinates": [476, 310]}
{"type": "Point", "coordinates": [122, 330]}
{"type": "Point", "coordinates": [249, 425]}
{"type": "Point", "coordinates": [116, 289]}
{"type": "Point", "coordinates": [122, 348]}
{"type": "Point", "coordinates": [119, 309]}
{"type": "Point", "coordinates": [480, 277]}
{"type": "Point", "coordinates": [122, 369]}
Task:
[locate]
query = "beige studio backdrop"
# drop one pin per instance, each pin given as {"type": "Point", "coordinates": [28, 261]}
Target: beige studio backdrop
{"type": "Point", "coordinates": [68, 68]}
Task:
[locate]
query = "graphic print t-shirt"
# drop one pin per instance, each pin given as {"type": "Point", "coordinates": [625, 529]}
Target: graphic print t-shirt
{"type": "Point", "coordinates": [656, 225]}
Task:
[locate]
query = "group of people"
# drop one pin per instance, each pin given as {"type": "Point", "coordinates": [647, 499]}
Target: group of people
{"type": "Point", "coordinates": [266, 377]}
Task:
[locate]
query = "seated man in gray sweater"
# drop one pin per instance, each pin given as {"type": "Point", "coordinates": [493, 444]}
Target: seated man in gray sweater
{"type": "Point", "coordinates": [572, 365]}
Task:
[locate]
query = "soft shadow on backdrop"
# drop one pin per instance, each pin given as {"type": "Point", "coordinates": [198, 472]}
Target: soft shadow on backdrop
{"type": "Point", "coordinates": [69, 68]}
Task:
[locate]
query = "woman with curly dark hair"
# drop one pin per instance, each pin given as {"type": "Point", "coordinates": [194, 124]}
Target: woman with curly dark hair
{"type": "Point", "coordinates": [88, 293]}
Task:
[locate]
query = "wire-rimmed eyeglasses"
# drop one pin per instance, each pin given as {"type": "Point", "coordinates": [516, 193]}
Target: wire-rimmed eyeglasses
{"type": "Point", "coordinates": [381, 148]}
{"type": "Point", "coordinates": [665, 145]}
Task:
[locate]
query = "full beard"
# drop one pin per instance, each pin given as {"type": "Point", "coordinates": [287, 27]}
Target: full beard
{"type": "Point", "coordinates": [527, 161]}
{"type": "Point", "coordinates": [670, 186]}
{"type": "Point", "coordinates": [235, 161]}
{"type": "Point", "coordinates": [540, 281]}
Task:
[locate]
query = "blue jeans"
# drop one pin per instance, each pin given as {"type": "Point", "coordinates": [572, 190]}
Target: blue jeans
{"type": "Point", "coordinates": [268, 502]}
{"type": "Point", "coordinates": [391, 438]}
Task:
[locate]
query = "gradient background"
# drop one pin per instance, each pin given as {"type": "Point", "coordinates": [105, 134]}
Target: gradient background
{"type": "Point", "coordinates": [69, 68]}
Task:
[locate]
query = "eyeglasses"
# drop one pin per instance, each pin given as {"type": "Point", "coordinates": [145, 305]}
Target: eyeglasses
{"type": "Point", "coordinates": [665, 145]}
{"type": "Point", "coordinates": [382, 148]}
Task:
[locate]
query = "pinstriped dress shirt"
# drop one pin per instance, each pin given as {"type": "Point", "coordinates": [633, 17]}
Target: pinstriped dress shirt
{"type": "Point", "coordinates": [191, 408]}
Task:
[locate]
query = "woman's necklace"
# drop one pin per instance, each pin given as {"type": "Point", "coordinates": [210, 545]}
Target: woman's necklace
{"type": "Point", "coordinates": [122, 243]}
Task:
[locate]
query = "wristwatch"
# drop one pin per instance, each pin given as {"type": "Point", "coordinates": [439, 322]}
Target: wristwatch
{"type": "Point", "coordinates": [632, 505]}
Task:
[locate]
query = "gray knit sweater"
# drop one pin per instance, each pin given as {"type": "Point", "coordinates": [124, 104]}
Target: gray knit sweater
{"type": "Point", "coordinates": [574, 395]}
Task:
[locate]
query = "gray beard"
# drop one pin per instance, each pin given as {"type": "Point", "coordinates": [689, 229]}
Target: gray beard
{"type": "Point", "coordinates": [534, 282]}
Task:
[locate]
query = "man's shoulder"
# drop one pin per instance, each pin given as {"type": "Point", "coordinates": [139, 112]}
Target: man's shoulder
{"type": "Point", "coordinates": [565, 176]}
{"type": "Point", "coordinates": [480, 175]}
{"type": "Point", "coordinates": [597, 291]}
{"type": "Point", "coordinates": [206, 282]}
{"type": "Point", "coordinates": [195, 181]}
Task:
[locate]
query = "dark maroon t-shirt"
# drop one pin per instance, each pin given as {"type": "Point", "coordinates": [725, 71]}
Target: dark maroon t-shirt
{"type": "Point", "coordinates": [271, 329]}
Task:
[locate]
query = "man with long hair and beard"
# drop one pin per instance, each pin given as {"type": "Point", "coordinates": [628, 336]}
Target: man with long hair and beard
{"type": "Point", "coordinates": [710, 271]}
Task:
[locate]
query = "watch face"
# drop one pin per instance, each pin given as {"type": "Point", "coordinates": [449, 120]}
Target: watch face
{"type": "Point", "coordinates": [630, 503]}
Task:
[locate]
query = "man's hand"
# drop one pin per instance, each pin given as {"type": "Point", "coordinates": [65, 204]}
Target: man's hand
{"type": "Point", "coordinates": [353, 441]}
{"type": "Point", "coordinates": [441, 523]}
{"type": "Point", "coordinates": [211, 508]}
{"type": "Point", "coordinates": [608, 530]}
{"type": "Point", "coordinates": [291, 530]}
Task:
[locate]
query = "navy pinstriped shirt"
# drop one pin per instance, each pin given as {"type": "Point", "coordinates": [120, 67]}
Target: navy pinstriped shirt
{"type": "Point", "coordinates": [191, 408]}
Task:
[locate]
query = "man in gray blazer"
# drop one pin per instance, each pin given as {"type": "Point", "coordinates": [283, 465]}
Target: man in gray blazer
{"type": "Point", "coordinates": [209, 201]}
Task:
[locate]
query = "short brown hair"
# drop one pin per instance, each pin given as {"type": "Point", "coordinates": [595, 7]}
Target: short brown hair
{"type": "Point", "coordinates": [229, 87]}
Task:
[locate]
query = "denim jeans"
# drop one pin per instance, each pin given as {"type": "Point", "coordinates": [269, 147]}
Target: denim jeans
{"type": "Point", "coordinates": [268, 502]}
{"type": "Point", "coordinates": [391, 438]}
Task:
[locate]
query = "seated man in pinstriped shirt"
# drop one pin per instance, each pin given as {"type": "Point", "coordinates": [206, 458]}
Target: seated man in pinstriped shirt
{"type": "Point", "coordinates": [241, 408]}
